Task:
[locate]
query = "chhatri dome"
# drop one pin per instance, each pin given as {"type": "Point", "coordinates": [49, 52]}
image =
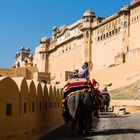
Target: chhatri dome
{"type": "Point", "coordinates": [124, 9]}
{"type": "Point", "coordinates": [44, 40]}
{"type": "Point", "coordinates": [134, 1]}
{"type": "Point", "coordinates": [89, 13]}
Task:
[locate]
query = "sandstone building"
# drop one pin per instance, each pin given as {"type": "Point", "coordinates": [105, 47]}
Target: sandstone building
{"type": "Point", "coordinates": [102, 42]}
{"type": "Point", "coordinates": [30, 109]}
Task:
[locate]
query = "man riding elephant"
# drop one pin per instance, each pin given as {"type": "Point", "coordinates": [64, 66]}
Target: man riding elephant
{"type": "Point", "coordinates": [84, 73]}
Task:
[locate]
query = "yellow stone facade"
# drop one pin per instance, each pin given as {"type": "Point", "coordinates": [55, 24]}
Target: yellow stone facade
{"type": "Point", "coordinates": [30, 109]}
{"type": "Point", "coordinates": [103, 43]}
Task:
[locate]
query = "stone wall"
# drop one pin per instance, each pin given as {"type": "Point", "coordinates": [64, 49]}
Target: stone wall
{"type": "Point", "coordinates": [118, 75]}
{"type": "Point", "coordinates": [129, 105]}
{"type": "Point", "coordinates": [27, 72]}
{"type": "Point", "coordinates": [29, 109]}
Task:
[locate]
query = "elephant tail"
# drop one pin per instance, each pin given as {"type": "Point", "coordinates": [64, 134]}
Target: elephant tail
{"type": "Point", "coordinates": [73, 104]}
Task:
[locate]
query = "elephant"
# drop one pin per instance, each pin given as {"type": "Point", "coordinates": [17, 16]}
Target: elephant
{"type": "Point", "coordinates": [106, 102]}
{"type": "Point", "coordinates": [79, 108]}
{"type": "Point", "coordinates": [98, 104]}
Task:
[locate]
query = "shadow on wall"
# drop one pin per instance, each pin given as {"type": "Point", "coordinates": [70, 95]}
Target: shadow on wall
{"type": "Point", "coordinates": [29, 109]}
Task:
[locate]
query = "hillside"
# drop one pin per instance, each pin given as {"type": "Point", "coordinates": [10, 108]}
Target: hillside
{"type": "Point", "coordinates": [129, 91]}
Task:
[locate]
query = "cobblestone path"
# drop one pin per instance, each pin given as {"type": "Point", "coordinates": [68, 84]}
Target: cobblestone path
{"type": "Point", "coordinates": [107, 127]}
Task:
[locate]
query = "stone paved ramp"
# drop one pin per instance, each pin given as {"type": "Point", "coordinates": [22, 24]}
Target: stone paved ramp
{"type": "Point", "coordinates": [107, 127]}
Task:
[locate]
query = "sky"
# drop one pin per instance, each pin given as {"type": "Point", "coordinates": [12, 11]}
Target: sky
{"type": "Point", "coordinates": [25, 22]}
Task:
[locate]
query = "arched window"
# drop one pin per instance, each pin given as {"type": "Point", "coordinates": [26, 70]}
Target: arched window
{"type": "Point", "coordinates": [69, 46]}
{"type": "Point", "coordinates": [112, 24]}
{"type": "Point", "coordinates": [87, 34]}
{"type": "Point", "coordinates": [137, 18]}
{"type": "Point", "coordinates": [66, 48]}
{"type": "Point", "coordinates": [98, 38]}
{"type": "Point", "coordinates": [127, 48]}
{"type": "Point", "coordinates": [119, 29]}
{"type": "Point", "coordinates": [115, 22]}
{"type": "Point", "coordinates": [67, 34]}
{"type": "Point", "coordinates": [107, 27]}
{"type": "Point", "coordinates": [103, 28]}
{"type": "Point", "coordinates": [63, 50]}
{"type": "Point", "coordinates": [132, 19]}
{"type": "Point", "coordinates": [101, 38]}
{"type": "Point", "coordinates": [125, 24]}
{"type": "Point", "coordinates": [110, 33]}
{"type": "Point", "coordinates": [113, 32]}
{"type": "Point", "coordinates": [116, 31]}
{"type": "Point", "coordinates": [106, 34]}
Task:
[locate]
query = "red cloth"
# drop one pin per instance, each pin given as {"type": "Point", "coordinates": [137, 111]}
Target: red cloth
{"type": "Point", "coordinates": [77, 85]}
{"type": "Point", "coordinates": [93, 84]}
{"type": "Point", "coordinates": [94, 81]}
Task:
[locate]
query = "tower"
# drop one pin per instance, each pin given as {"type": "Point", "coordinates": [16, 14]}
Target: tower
{"type": "Point", "coordinates": [125, 31]}
{"type": "Point", "coordinates": [88, 18]}
{"type": "Point", "coordinates": [134, 1]}
{"type": "Point", "coordinates": [41, 55]}
{"type": "Point", "coordinates": [23, 57]}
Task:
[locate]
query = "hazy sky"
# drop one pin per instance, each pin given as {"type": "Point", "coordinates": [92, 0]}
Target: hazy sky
{"type": "Point", "coordinates": [24, 22]}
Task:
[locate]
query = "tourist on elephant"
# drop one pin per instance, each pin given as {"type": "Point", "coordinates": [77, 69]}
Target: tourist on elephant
{"type": "Point", "coordinates": [75, 73]}
{"type": "Point", "coordinates": [84, 73]}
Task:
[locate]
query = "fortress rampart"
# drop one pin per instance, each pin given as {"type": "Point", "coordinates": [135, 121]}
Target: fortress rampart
{"type": "Point", "coordinates": [28, 109]}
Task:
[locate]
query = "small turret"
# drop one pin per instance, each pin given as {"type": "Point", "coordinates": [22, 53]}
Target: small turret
{"type": "Point", "coordinates": [88, 16]}
{"type": "Point", "coordinates": [41, 55]}
{"type": "Point", "coordinates": [134, 1]}
{"type": "Point", "coordinates": [88, 20]}
{"type": "Point", "coordinates": [44, 40]}
{"type": "Point", "coordinates": [124, 9]}
{"type": "Point", "coordinates": [21, 57]}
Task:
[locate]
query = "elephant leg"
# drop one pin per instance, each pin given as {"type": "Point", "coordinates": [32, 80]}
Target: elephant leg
{"type": "Point", "coordinates": [73, 106]}
{"type": "Point", "coordinates": [88, 122]}
{"type": "Point", "coordinates": [80, 125]}
{"type": "Point", "coordinates": [73, 128]}
{"type": "Point", "coordinates": [107, 107]}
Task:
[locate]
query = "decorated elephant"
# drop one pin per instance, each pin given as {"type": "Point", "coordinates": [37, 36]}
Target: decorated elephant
{"type": "Point", "coordinates": [78, 107]}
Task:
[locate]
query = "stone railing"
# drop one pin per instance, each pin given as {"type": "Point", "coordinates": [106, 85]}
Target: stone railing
{"type": "Point", "coordinates": [129, 105]}
{"type": "Point", "coordinates": [28, 109]}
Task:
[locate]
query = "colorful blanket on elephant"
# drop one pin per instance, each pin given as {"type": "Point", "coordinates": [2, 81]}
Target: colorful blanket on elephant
{"type": "Point", "coordinates": [74, 87]}
{"type": "Point", "coordinates": [77, 80]}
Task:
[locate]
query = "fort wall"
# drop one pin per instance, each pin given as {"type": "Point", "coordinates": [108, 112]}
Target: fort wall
{"type": "Point", "coordinates": [129, 105]}
{"type": "Point", "coordinates": [29, 109]}
{"type": "Point", "coordinates": [118, 75]}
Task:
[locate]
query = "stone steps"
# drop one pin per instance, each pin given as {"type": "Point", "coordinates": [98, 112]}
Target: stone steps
{"type": "Point", "coordinates": [106, 114]}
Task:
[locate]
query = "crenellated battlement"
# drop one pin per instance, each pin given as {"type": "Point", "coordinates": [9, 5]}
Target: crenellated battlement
{"type": "Point", "coordinates": [28, 108]}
